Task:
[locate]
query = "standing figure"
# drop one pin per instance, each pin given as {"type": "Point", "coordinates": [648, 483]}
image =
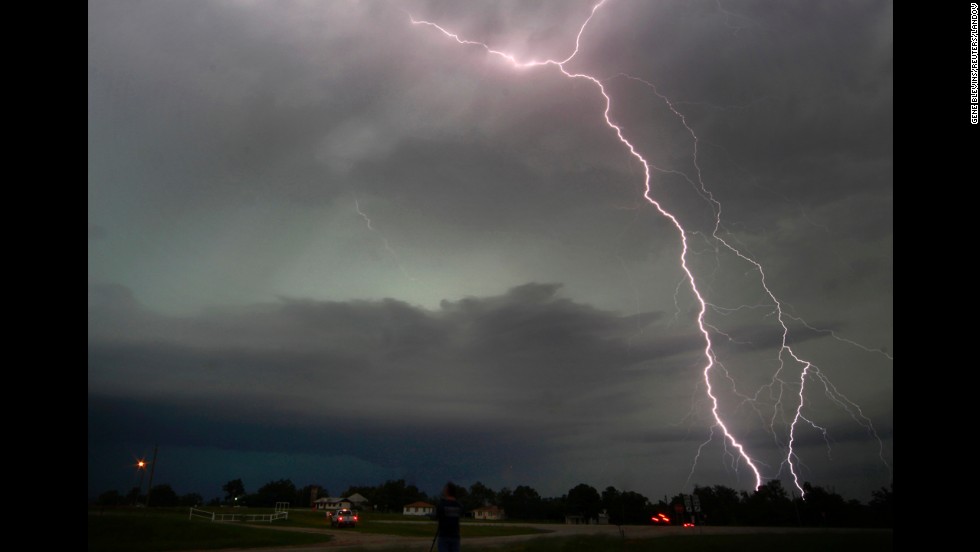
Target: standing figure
{"type": "Point", "coordinates": [448, 512]}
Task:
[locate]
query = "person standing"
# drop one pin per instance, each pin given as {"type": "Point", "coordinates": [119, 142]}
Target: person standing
{"type": "Point", "coordinates": [448, 512]}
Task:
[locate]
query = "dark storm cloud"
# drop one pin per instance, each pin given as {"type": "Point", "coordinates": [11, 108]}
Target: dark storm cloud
{"type": "Point", "coordinates": [764, 100]}
{"type": "Point", "coordinates": [228, 425]}
{"type": "Point", "coordinates": [380, 381]}
{"type": "Point", "coordinates": [191, 119]}
{"type": "Point", "coordinates": [207, 442]}
{"type": "Point", "coordinates": [809, 437]}
{"type": "Point", "coordinates": [516, 377]}
{"type": "Point", "coordinates": [485, 352]}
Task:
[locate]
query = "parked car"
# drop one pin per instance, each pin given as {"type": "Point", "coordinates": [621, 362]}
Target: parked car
{"type": "Point", "coordinates": [343, 518]}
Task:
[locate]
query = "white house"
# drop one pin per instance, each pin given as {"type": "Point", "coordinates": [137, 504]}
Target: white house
{"type": "Point", "coordinates": [331, 503]}
{"type": "Point", "coordinates": [359, 502]}
{"type": "Point", "coordinates": [419, 509]}
{"type": "Point", "coordinates": [488, 512]}
{"type": "Point", "coordinates": [578, 519]}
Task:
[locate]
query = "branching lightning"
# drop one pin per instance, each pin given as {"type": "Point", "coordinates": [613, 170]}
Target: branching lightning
{"type": "Point", "coordinates": [384, 240]}
{"type": "Point", "coordinates": [712, 368]}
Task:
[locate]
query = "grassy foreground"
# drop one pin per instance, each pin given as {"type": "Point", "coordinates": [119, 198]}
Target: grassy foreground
{"type": "Point", "coordinates": [162, 531]}
{"type": "Point", "coordinates": [170, 529]}
{"type": "Point", "coordinates": [811, 542]}
{"type": "Point", "coordinates": [159, 530]}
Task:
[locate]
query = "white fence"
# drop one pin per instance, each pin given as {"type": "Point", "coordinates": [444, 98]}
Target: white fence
{"type": "Point", "coordinates": [214, 516]}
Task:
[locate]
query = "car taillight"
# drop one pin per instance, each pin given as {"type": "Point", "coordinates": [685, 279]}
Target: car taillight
{"type": "Point", "coordinates": [355, 518]}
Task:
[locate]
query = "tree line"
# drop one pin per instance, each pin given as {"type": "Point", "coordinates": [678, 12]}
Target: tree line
{"type": "Point", "coordinates": [769, 505]}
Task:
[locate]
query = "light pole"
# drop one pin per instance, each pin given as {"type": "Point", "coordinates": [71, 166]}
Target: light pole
{"type": "Point", "coordinates": [149, 486]}
{"type": "Point", "coordinates": [141, 468]}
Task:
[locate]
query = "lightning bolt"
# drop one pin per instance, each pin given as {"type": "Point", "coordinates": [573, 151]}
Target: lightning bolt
{"type": "Point", "coordinates": [384, 240]}
{"type": "Point", "coordinates": [808, 371]}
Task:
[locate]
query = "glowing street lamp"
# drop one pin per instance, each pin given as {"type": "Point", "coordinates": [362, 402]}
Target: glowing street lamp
{"type": "Point", "coordinates": [141, 468]}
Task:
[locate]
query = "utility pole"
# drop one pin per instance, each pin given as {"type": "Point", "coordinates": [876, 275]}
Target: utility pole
{"type": "Point", "coordinates": [153, 465]}
{"type": "Point", "coordinates": [141, 469]}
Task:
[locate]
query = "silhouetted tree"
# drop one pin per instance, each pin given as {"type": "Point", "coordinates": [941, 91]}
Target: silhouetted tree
{"type": "Point", "coordinates": [110, 498]}
{"type": "Point", "coordinates": [881, 507]}
{"type": "Point", "coordinates": [522, 503]}
{"type": "Point", "coordinates": [190, 499]}
{"type": "Point", "coordinates": [479, 495]}
{"type": "Point", "coordinates": [162, 496]}
{"type": "Point", "coordinates": [769, 505]}
{"type": "Point", "coordinates": [583, 500]}
{"type": "Point", "coordinates": [719, 504]}
{"type": "Point", "coordinates": [856, 514]}
{"type": "Point", "coordinates": [610, 501]}
{"type": "Point", "coordinates": [233, 489]}
{"type": "Point", "coordinates": [134, 496]}
{"type": "Point", "coordinates": [393, 495]}
{"type": "Point", "coordinates": [676, 503]}
{"type": "Point", "coordinates": [626, 507]}
{"type": "Point", "coordinates": [822, 508]}
{"type": "Point", "coordinates": [555, 508]}
{"type": "Point", "coordinates": [282, 490]}
{"type": "Point", "coordinates": [304, 496]}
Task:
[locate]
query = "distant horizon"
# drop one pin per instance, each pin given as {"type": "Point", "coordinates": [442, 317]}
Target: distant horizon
{"type": "Point", "coordinates": [436, 489]}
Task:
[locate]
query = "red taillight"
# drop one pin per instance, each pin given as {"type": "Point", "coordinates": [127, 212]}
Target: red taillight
{"type": "Point", "coordinates": [355, 518]}
{"type": "Point", "coordinates": [688, 525]}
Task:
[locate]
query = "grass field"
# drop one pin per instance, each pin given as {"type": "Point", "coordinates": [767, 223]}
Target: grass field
{"type": "Point", "coordinates": [815, 542]}
{"type": "Point", "coordinates": [160, 530]}
{"type": "Point", "coordinates": [157, 531]}
{"type": "Point", "coordinates": [165, 529]}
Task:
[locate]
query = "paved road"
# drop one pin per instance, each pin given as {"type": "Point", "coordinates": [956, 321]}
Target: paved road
{"type": "Point", "coordinates": [348, 540]}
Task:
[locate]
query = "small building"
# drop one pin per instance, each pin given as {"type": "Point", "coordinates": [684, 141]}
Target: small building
{"type": "Point", "coordinates": [419, 509]}
{"type": "Point", "coordinates": [359, 502]}
{"type": "Point", "coordinates": [577, 519]}
{"type": "Point", "coordinates": [488, 512]}
{"type": "Point", "coordinates": [331, 503]}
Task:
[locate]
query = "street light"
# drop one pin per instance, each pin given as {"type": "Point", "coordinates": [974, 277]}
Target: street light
{"type": "Point", "coordinates": [141, 468]}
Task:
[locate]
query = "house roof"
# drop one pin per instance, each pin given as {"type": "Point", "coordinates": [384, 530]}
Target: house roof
{"type": "Point", "coordinates": [357, 497]}
{"type": "Point", "coordinates": [420, 505]}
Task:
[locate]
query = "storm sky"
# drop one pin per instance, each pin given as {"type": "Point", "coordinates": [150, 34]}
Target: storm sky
{"type": "Point", "coordinates": [330, 245]}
